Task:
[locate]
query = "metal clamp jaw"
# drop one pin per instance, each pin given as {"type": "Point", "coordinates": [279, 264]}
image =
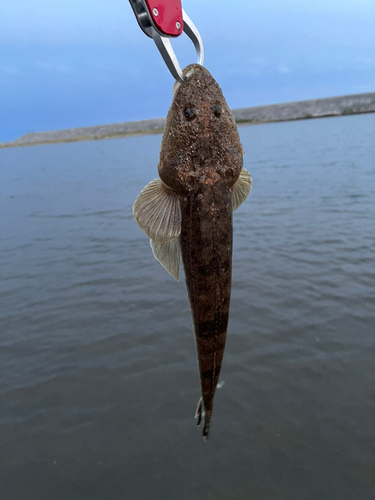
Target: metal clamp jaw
{"type": "Point", "coordinates": [162, 19]}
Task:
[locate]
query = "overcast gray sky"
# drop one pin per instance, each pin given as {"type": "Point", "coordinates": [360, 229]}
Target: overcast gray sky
{"type": "Point", "coordinates": [86, 62]}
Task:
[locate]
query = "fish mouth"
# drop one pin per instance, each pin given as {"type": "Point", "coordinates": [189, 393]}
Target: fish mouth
{"type": "Point", "coordinates": [188, 71]}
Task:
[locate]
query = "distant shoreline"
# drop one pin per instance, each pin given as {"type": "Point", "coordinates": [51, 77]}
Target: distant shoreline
{"type": "Point", "coordinates": [299, 110]}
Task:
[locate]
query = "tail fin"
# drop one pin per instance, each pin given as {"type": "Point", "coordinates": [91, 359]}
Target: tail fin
{"type": "Point", "coordinates": [206, 427]}
{"type": "Point", "coordinates": [199, 412]}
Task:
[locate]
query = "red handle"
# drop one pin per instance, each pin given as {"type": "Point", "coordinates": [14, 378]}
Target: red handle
{"type": "Point", "coordinates": [167, 16]}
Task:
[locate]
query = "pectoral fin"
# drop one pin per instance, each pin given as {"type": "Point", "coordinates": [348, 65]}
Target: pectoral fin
{"type": "Point", "coordinates": [241, 189]}
{"type": "Point", "coordinates": [157, 212]}
{"type": "Point", "coordinates": [169, 255]}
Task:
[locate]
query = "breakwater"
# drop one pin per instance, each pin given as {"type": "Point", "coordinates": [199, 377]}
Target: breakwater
{"type": "Point", "coordinates": [299, 110]}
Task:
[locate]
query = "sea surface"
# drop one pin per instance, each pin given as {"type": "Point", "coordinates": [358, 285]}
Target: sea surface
{"type": "Point", "coordinates": [98, 372]}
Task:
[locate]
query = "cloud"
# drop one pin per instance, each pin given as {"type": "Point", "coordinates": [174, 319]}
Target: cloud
{"type": "Point", "coordinates": [342, 62]}
{"type": "Point", "coordinates": [59, 68]}
{"type": "Point", "coordinates": [283, 69]}
{"type": "Point", "coordinates": [8, 69]}
{"type": "Point", "coordinates": [257, 66]}
{"type": "Point", "coordinates": [254, 67]}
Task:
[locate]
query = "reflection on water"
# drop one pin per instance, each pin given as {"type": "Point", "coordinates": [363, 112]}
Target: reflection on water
{"type": "Point", "coordinates": [98, 373]}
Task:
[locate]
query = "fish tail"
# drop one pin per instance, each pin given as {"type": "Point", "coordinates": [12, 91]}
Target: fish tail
{"type": "Point", "coordinates": [206, 426]}
{"type": "Point", "coordinates": [206, 414]}
{"type": "Point", "coordinates": [198, 412]}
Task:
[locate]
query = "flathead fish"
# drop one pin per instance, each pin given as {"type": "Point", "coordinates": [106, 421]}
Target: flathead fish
{"type": "Point", "coordinates": [187, 213]}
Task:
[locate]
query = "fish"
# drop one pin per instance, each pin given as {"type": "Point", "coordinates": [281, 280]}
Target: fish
{"type": "Point", "coordinates": [187, 214]}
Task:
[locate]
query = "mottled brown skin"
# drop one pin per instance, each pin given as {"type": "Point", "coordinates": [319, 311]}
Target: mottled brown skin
{"type": "Point", "coordinates": [201, 158]}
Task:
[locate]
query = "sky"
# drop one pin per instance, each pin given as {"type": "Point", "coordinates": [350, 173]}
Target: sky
{"type": "Point", "coordinates": [86, 62]}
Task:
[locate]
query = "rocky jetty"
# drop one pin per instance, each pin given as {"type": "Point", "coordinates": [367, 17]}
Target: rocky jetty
{"type": "Point", "coordinates": [300, 110]}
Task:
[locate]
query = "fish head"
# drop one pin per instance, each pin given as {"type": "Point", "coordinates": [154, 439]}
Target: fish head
{"type": "Point", "coordinates": [201, 143]}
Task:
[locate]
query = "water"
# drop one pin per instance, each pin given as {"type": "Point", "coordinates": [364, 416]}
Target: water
{"type": "Point", "coordinates": [98, 374]}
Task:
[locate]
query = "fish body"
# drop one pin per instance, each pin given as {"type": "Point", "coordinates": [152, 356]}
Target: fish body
{"type": "Point", "coordinates": [206, 247]}
{"type": "Point", "coordinates": [188, 213]}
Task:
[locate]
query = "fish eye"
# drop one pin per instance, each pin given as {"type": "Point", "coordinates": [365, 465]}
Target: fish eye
{"type": "Point", "coordinates": [217, 110]}
{"type": "Point", "coordinates": [190, 113]}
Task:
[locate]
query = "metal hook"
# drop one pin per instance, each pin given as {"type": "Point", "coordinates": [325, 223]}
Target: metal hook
{"type": "Point", "coordinates": [148, 26]}
{"type": "Point", "coordinates": [165, 48]}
